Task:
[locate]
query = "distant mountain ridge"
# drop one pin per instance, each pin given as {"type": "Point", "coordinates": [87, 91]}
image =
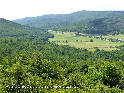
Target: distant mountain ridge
{"type": "Point", "coordinates": [81, 21]}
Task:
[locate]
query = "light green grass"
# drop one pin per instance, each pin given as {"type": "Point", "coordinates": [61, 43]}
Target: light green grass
{"type": "Point", "coordinates": [60, 39]}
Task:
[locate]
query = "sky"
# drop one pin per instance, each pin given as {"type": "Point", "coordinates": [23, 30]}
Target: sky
{"type": "Point", "coordinates": [15, 9]}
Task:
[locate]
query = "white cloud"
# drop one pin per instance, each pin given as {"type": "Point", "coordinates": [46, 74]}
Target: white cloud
{"type": "Point", "coordinates": [12, 9]}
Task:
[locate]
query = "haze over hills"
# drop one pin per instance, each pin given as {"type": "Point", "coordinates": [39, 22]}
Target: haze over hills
{"type": "Point", "coordinates": [92, 22]}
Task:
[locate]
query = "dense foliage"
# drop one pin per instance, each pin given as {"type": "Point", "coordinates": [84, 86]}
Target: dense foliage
{"type": "Point", "coordinates": [38, 66]}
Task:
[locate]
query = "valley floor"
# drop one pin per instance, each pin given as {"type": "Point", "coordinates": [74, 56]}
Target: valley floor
{"type": "Point", "coordinates": [84, 41]}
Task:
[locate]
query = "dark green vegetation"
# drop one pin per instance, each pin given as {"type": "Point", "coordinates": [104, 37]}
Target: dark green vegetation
{"type": "Point", "coordinates": [91, 22]}
{"type": "Point", "coordinates": [30, 64]}
{"type": "Point", "coordinates": [10, 29]}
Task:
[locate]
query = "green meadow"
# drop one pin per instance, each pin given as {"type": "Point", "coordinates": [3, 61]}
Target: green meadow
{"type": "Point", "coordinates": [83, 42]}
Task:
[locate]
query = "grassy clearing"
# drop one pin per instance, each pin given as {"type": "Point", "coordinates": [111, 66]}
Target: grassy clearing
{"type": "Point", "coordinates": [68, 38]}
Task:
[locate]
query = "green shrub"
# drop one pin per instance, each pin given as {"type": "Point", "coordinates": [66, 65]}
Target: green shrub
{"type": "Point", "coordinates": [111, 74]}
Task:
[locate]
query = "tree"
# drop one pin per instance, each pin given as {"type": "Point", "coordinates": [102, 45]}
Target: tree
{"type": "Point", "coordinates": [111, 74]}
{"type": "Point", "coordinates": [66, 41]}
{"type": "Point", "coordinates": [91, 40]}
{"type": "Point", "coordinates": [76, 80]}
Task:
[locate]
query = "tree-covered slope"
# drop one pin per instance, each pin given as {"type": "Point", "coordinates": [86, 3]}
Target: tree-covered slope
{"type": "Point", "coordinates": [10, 29]}
{"type": "Point", "coordinates": [91, 22]}
{"type": "Point", "coordinates": [51, 21]}
{"type": "Point", "coordinates": [107, 25]}
{"type": "Point", "coordinates": [112, 24]}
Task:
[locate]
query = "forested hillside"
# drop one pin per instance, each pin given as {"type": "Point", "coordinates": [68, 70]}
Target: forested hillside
{"type": "Point", "coordinates": [31, 64]}
{"type": "Point", "coordinates": [91, 22]}
{"type": "Point", "coordinates": [107, 25]}
{"type": "Point", "coordinates": [10, 29]}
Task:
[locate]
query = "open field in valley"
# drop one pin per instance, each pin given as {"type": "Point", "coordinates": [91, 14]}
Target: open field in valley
{"type": "Point", "coordinates": [68, 38]}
